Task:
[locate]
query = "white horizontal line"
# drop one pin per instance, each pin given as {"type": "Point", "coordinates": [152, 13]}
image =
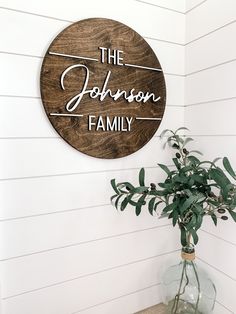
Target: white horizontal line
{"type": "Point", "coordinates": [116, 298]}
{"type": "Point", "coordinates": [161, 7]}
{"type": "Point", "coordinates": [40, 15]}
{"type": "Point", "coordinates": [157, 119]}
{"type": "Point", "coordinates": [72, 173]}
{"type": "Point", "coordinates": [142, 67]}
{"type": "Point", "coordinates": [164, 41]}
{"type": "Point", "coordinates": [196, 6]}
{"type": "Point", "coordinates": [66, 114]}
{"type": "Point", "coordinates": [211, 32]}
{"type": "Point", "coordinates": [71, 56]}
{"type": "Point", "coordinates": [210, 101]}
{"type": "Point", "coordinates": [217, 269]}
{"type": "Point", "coordinates": [92, 274]}
{"type": "Point", "coordinates": [119, 235]}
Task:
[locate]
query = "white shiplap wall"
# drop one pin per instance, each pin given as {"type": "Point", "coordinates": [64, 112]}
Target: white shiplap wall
{"type": "Point", "coordinates": [64, 249]}
{"type": "Point", "coordinates": [210, 114]}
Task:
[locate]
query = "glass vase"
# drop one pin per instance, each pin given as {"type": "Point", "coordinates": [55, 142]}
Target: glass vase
{"type": "Point", "coordinates": [187, 289]}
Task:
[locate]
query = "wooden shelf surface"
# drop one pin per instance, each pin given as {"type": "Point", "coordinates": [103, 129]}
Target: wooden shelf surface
{"type": "Point", "coordinates": [157, 309]}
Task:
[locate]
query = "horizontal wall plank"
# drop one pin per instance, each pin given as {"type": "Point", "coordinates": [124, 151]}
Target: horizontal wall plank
{"type": "Point", "coordinates": [21, 75]}
{"type": "Point", "coordinates": [211, 50]}
{"type": "Point", "coordinates": [60, 193]}
{"type": "Point", "coordinates": [224, 230]}
{"type": "Point", "coordinates": [213, 84]}
{"type": "Point", "coordinates": [220, 309]}
{"type": "Point", "coordinates": [175, 89]}
{"type": "Point", "coordinates": [21, 78]}
{"type": "Point", "coordinates": [28, 118]}
{"type": "Point", "coordinates": [32, 35]}
{"type": "Point", "coordinates": [168, 26]}
{"type": "Point", "coordinates": [28, 34]}
{"type": "Point", "coordinates": [168, 4]}
{"type": "Point", "coordinates": [171, 56]}
{"type": "Point", "coordinates": [221, 255]}
{"type": "Point", "coordinates": [25, 236]}
{"type": "Point", "coordinates": [223, 285]}
{"type": "Point", "coordinates": [190, 4]}
{"type": "Point", "coordinates": [85, 292]}
{"type": "Point", "coordinates": [49, 268]}
{"type": "Point", "coordinates": [212, 118]}
{"type": "Point", "coordinates": [130, 303]}
{"type": "Point", "coordinates": [209, 22]}
{"type": "Point", "coordinates": [24, 157]}
{"type": "Point", "coordinates": [216, 146]}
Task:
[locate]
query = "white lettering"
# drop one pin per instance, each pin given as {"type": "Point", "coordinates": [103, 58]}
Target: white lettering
{"type": "Point", "coordinates": [115, 124]}
{"type": "Point", "coordinates": [96, 92]}
{"type": "Point", "coordinates": [90, 122]}
{"type": "Point", "coordinates": [100, 124]}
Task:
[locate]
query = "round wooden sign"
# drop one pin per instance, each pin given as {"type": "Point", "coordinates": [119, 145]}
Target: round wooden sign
{"type": "Point", "coordinates": [103, 88]}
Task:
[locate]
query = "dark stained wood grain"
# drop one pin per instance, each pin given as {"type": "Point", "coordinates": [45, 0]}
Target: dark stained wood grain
{"type": "Point", "coordinates": [83, 39]}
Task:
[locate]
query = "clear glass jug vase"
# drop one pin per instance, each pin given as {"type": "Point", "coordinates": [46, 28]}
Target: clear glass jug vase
{"type": "Point", "coordinates": [187, 289]}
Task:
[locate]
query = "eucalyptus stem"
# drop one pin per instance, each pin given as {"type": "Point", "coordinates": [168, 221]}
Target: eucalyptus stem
{"type": "Point", "coordinates": [177, 297]}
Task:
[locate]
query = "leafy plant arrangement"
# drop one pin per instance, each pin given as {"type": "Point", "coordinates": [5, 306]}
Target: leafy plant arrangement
{"type": "Point", "coordinates": [191, 191]}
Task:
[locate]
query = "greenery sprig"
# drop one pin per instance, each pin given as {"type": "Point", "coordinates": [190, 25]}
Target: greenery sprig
{"type": "Point", "coordinates": [192, 190]}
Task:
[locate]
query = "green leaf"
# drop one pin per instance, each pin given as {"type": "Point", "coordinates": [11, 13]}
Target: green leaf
{"type": "Point", "coordinates": [196, 152]}
{"type": "Point", "coordinates": [193, 160]}
{"type": "Point", "coordinates": [199, 222]}
{"type": "Point", "coordinates": [141, 177]}
{"type": "Point", "coordinates": [113, 184]}
{"type": "Point", "coordinates": [226, 190]}
{"type": "Point", "coordinates": [198, 178]}
{"type": "Point", "coordinates": [215, 203]}
{"type": "Point", "coordinates": [140, 204]}
{"type": "Point", "coordinates": [216, 159]}
{"type": "Point", "coordinates": [233, 215]}
{"type": "Point", "coordinates": [181, 128]}
{"type": "Point", "coordinates": [140, 189]}
{"type": "Point", "coordinates": [114, 196]}
{"type": "Point", "coordinates": [187, 140]}
{"type": "Point", "coordinates": [170, 207]}
{"type": "Point", "coordinates": [186, 169]}
{"type": "Point", "coordinates": [183, 236]}
{"type": "Point", "coordinates": [214, 218]}
{"type": "Point", "coordinates": [228, 167]}
{"type": "Point", "coordinates": [198, 209]}
{"type": "Point", "coordinates": [158, 193]}
{"type": "Point", "coordinates": [219, 177]}
{"type": "Point", "coordinates": [165, 168]}
{"type": "Point", "coordinates": [176, 162]}
{"type": "Point", "coordinates": [180, 178]}
{"type": "Point", "coordinates": [191, 223]}
{"type": "Point", "coordinates": [179, 139]}
{"type": "Point", "coordinates": [151, 205]}
{"type": "Point", "coordinates": [166, 185]}
{"type": "Point", "coordinates": [191, 182]}
{"type": "Point", "coordinates": [155, 206]}
{"type": "Point", "coordinates": [124, 203]}
{"type": "Point", "coordinates": [194, 235]}
{"type": "Point", "coordinates": [188, 203]}
{"type": "Point", "coordinates": [117, 201]}
{"type": "Point", "coordinates": [175, 217]}
{"type": "Point", "coordinates": [163, 133]}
